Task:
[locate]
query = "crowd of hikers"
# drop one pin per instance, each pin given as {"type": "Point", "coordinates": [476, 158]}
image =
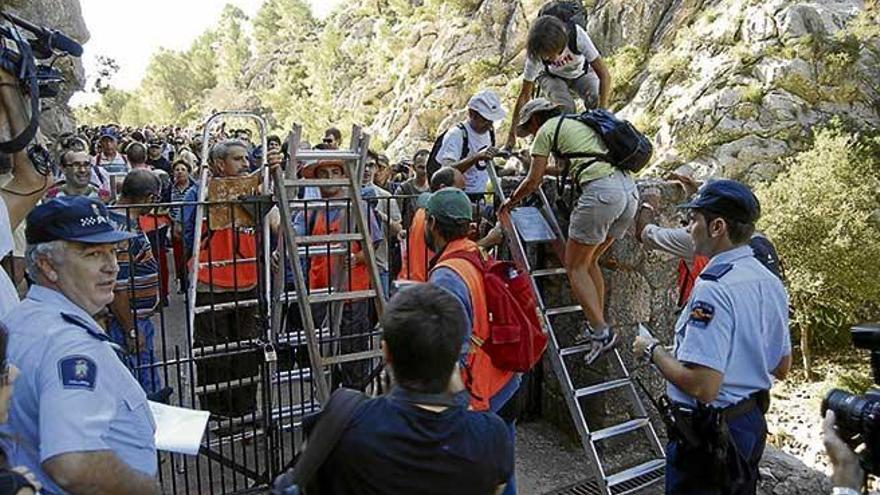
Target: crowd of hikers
{"type": "Point", "coordinates": [98, 245]}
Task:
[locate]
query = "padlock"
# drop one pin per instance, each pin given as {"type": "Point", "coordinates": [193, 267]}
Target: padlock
{"type": "Point", "coordinates": [269, 353]}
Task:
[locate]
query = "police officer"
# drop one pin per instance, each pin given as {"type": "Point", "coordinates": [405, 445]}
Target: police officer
{"type": "Point", "coordinates": [81, 420]}
{"type": "Point", "coordinates": [731, 340]}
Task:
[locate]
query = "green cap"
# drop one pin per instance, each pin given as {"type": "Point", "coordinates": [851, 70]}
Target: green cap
{"type": "Point", "coordinates": [451, 204]}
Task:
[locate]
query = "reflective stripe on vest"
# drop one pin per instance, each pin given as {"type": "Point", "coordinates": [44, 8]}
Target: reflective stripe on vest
{"type": "Point", "coordinates": [417, 255]}
{"type": "Point", "coordinates": [224, 246]}
{"type": "Point", "coordinates": [481, 377]}
{"type": "Point", "coordinates": [319, 270]}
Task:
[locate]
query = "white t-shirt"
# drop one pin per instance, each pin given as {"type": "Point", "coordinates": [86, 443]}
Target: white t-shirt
{"type": "Point", "coordinates": [8, 294]}
{"type": "Point", "coordinates": [476, 177]}
{"type": "Point", "coordinates": [568, 65]}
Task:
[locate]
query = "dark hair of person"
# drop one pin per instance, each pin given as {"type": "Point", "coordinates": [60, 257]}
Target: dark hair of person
{"type": "Point", "coordinates": [423, 327]}
{"type": "Point", "coordinates": [445, 177]}
{"type": "Point", "coordinates": [419, 153]}
{"type": "Point", "coordinates": [451, 230]}
{"type": "Point", "coordinates": [738, 232]}
{"type": "Point", "coordinates": [334, 132]}
{"type": "Point", "coordinates": [272, 138]}
{"type": "Point", "coordinates": [547, 37]}
{"type": "Point", "coordinates": [136, 153]}
{"type": "Point", "coordinates": [139, 184]}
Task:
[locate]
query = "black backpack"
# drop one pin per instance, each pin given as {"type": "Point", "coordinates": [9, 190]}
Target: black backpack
{"type": "Point", "coordinates": [434, 165]}
{"type": "Point", "coordinates": [766, 253]}
{"type": "Point", "coordinates": [628, 149]}
{"type": "Point", "coordinates": [572, 14]}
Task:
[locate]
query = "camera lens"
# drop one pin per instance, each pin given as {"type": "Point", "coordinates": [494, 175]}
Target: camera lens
{"type": "Point", "coordinates": [854, 413]}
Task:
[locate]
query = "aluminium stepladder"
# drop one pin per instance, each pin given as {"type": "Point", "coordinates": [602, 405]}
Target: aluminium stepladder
{"type": "Point", "coordinates": [296, 247]}
{"type": "Point", "coordinates": [534, 225]}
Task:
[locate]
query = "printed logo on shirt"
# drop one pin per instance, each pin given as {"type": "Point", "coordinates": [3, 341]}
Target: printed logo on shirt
{"type": "Point", "coordinates": [701, 314]}
{"type": "Point", "coordinates": [562, 60]}
{"type": "Point", "coordinates": [78, 373]}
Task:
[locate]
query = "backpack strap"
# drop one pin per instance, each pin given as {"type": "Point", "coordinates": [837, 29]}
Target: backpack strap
{"type": "Point", "coordinates": [465, 144]}
{"type": "Point", "coordinates": [324, 437]}
{"type": "Point", "coordinates": [573, 37]}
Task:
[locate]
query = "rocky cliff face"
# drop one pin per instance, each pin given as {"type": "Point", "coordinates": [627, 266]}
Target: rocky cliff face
{"type": "Point", "coordinates": [65, 16]}
{"type": "Point", "coordinates": [729, 86]}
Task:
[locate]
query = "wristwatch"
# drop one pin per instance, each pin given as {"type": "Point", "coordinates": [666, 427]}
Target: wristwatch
{"type": "Point", "coordinates": [844, 490]}
{"type": "Point", "coordinates": [649, 351]}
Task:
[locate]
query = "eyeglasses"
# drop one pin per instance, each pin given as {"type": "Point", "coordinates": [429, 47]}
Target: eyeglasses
{"type": "Point", "coordinates": [78, 165]}
{"type": "Point", "coordinates": [328, 140]}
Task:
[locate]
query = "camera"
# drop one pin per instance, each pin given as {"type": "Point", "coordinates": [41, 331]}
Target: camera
{"type": "Point", "coordinates": [858, 416]}
{"type": "Point", "coordinates": [18, 57]}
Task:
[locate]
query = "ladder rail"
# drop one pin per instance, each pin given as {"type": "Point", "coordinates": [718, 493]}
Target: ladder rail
{"type": "Point", "coordinates": [572, 397]}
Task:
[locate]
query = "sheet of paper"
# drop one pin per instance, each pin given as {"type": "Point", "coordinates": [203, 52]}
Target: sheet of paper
{"type": "Point", "coordinates": [178, 429]}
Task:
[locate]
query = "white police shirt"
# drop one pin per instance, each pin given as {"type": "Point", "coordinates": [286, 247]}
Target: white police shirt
{"type": "Point", "coordinates": [477, 177]}
{"type": "Point", "coordinates": [74, 394]}
{"type": "Point", "coordinates": [736, 323]}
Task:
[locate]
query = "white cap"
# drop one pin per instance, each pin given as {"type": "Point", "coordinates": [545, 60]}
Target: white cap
{"type": "Point", "coordinates": [487, 104]}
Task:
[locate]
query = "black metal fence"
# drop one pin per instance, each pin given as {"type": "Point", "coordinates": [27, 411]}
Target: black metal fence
{"type": "Point", "coordinates": [244, 356]}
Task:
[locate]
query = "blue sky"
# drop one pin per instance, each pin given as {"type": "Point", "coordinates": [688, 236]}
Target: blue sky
{"type": "Point", "coordinates": [160, 23]}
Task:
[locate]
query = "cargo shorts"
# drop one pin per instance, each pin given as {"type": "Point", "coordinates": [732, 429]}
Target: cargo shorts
{"type": "Point", "coordinates": [605, 209]}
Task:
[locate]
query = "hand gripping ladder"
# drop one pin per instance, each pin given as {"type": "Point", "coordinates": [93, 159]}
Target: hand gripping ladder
{"type": "Point", "coordinates": [336, 246]}
{"type": "Point", "coordinates": [533, 225]}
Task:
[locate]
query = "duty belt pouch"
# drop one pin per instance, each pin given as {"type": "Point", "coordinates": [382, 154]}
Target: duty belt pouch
{"type": "Point", "coordinates": [703, 445]}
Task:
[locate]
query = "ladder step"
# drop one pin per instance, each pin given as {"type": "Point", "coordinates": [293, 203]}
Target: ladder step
{"type": "Point", "coordinates": [311, 252]}
{"type": "Point", "coordinates": [327, 155]}
{"type": "Point", "coordinates": [617, 430]}
{"type": "Point", "coordinates": [319, 204]}
{"type": "Point", "coordinates": [318, 183]}
{"type": "Point", "coordinates": [578, 349]}
{"type": "Point", "coordinates": [635, 472]}
{"type": "Point", "coordinates": [601, 387]}
{"type": "Point", "coordinates": [547, 272]}
{"type": "Point", "coordinates": [227, 262]}
{"type": "Point", "coordinates": [328, 239]}
{"type": "Point", "coordinates": [562, 310]}
{"type": "Point", "coordinates": [341, 296]}
{"type": "Point", "coordinates": [347, 358]}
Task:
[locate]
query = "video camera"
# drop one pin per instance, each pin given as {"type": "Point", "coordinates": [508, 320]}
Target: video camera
{"type": "Point", "coordinates": [18, 57]}
{"type": "Point", "coordinates": [858, 416]}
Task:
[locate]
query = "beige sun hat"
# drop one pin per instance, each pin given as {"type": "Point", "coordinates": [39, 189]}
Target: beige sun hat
{"type": "Point", "coordinates": [529, 109]}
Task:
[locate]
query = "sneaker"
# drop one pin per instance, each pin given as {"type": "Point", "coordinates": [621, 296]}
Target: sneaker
{"type": "Point", "coordinates": [601, 343]}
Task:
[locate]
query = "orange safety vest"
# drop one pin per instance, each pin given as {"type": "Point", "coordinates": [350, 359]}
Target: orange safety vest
{"type": "Point", "coordinates": [224, 246]}
{"type": "Point", "coordinates": [480, 376]}
{"type": "Point", "coordinates": [687, 277]}
{"type": "Point", "coordinates": [417, 254]}
{"type": "Point", "coordinates": [319, 271]}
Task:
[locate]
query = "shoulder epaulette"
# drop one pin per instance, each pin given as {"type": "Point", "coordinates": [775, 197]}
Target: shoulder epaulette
{"type": "Point", "coordinates": [81, 322]}
{"type": "Point", "coordinates": [716, 271]}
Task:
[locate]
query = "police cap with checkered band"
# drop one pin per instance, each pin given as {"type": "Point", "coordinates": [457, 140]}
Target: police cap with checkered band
{"type": "Point", "coordinates": [73, 218]}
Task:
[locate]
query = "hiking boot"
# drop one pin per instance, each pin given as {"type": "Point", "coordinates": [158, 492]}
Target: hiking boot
{"type": "Point", "coordinates": [602, 342]}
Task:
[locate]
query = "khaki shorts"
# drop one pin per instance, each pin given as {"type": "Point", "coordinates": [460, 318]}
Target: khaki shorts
{"type": "Point", "coordinates": [605, 209]}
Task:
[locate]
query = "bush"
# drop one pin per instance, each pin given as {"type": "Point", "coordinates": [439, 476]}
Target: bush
{"type": "Point", "coordinates": [821, 214]}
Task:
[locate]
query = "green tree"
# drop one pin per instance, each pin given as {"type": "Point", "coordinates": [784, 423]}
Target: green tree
{"type": "Point", "coordinates": [822, 214]}
{"type": "Point", "coordinates": [232, 48]}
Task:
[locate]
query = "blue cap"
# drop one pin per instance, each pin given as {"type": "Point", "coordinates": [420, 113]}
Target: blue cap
{"type": "Point", "coordinates": [727, 198]}
{"type": "Point", "coordinates": [73, 218]}
{"type": "Point", "coordinates": [110, 133]}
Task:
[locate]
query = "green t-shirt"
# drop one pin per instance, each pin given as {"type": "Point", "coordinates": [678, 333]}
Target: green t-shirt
{"type": "Point", "coordinates": [574, 137]}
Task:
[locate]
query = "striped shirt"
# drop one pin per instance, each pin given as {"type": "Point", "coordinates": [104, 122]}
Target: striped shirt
{"type": "Point", "coordinates": [135, 257]}
{"type": "Point", "coordinates": [178, 195]}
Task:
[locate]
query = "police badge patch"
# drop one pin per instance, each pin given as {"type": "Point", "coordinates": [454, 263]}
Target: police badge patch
{"type": "Point", "coordinates": [701, 314]}
{"type": "Point", "coordinates": [78, 372]}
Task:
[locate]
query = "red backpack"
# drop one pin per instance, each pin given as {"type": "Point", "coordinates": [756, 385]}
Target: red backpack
{"type": "Point", "coordinates": [516, 340]}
